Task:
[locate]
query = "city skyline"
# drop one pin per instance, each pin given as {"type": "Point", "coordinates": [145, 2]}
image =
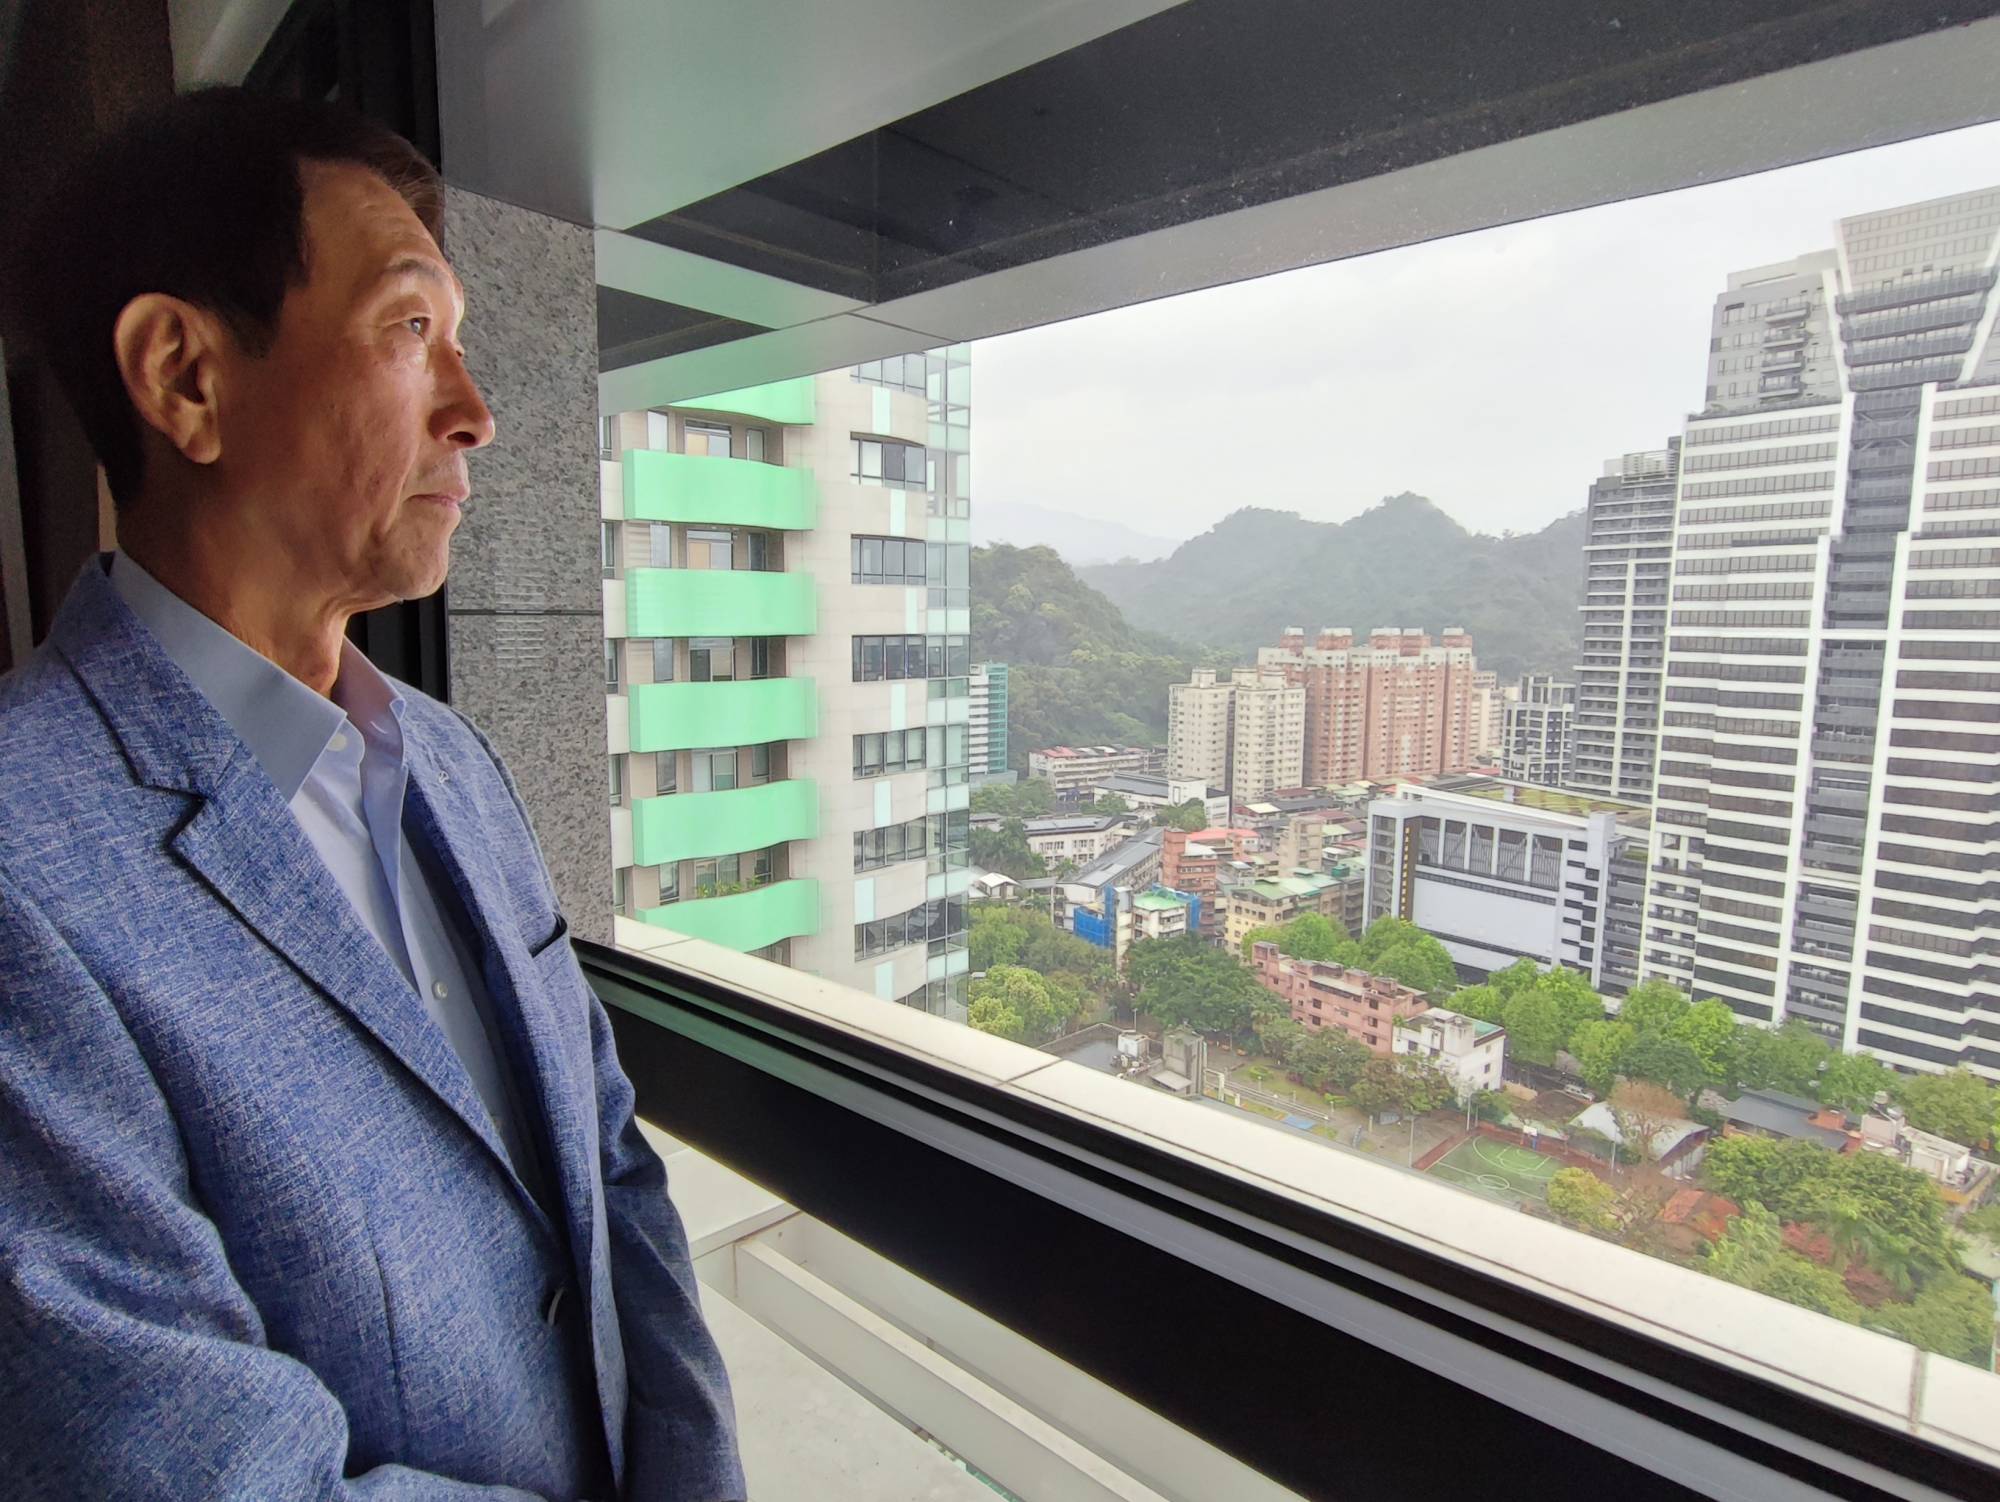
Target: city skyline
{"type": "Point", "coordinates": [1071, 414]}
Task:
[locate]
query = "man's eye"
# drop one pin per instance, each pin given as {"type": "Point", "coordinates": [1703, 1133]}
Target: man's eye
{"type": "Point", "coordinates": [418, 325]}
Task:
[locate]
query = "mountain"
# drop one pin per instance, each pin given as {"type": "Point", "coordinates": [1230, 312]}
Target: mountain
{"type": "Point", "coordinates": [1403, 562]}
{"type": "Point", "coordinates": [1080, 539]}
{"type": "Point", "coordinates": [1078, 672]}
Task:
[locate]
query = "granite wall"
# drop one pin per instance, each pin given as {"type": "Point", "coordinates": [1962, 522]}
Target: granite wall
{"type": "Point", "coordinates": [526, 594]}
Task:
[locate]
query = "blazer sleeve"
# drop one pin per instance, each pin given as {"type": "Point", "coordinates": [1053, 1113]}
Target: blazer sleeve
{"type": "Point", "coordinates": [680, 1420]}
{"type": "Point", "coordinates": [132, 1364]}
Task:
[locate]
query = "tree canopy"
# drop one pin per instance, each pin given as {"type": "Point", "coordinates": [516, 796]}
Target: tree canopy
{"type": "Point", "coordinates": [1006, 850]}
{"type": "Point", "coordinates": [1958, 1105]}
{"type": "Point", "coordinates": [1015, 1002]}
{"type": "Point", "coordinates": [1306, 937]}
{"type": "Point", "coordinates": [1183, 980]}
{"type": "Point", "coordinates": [1191, 815]}
{"type": "Point", "coordinates": [1015, 800]}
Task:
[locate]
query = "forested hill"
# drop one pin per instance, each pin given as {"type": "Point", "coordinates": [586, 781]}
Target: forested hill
{"type": "Point", "coordinates": [1079, 673]}
{"type": "Point", "coordinates": [1402, 563]}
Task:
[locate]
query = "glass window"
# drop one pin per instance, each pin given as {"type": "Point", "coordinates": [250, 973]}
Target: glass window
{"type": "Point", "coordinates": [760, 657]}
{"type": "Point", "coordinates": [618, 779]}
{"type": "Point", "coordinates": [663, 660]}
{"type": "Point", "coordinates": [753, 444]}
{"type": "Point", "coordinates": [758, 548]}
{"type": "Point", "coordinates": [715, 771]}
{"type": "Point", "coordinates": [611, 665]}
{"type": "Point", "coordinates": [706, 439]}
{"type": "Point", "coordinates": [660, 545]}
{"type": "Point", "coordinates": [666, 771]}
{"type": "Point", "coordinates": [711, 659]}
{"type": "Point", "coordinates": [619, 875]}
{"type": "Point", "coordinates": [709, 549]}
{"type": "Point", "coordinates": [760, 763]}
{"type": "Point", "coordinates": [608, 547]}
{"type": "Point", "coordinates": [607, 437]}
{"type": "Point", "coordinates": [659, 431]}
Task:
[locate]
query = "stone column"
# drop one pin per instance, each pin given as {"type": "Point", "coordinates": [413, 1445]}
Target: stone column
{"type": "Point", "coordinates": [526, 597]}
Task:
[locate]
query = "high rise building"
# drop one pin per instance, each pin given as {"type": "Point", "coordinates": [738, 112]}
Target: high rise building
{"type": "Point", "coordinates": [786, 614]}
{"type": "Point", "coordinates": [1823, 813]}
{"type": "Point", "coordinates": [1482, 736]}
{"type": "Point", "coordinates": [1536, 731]}
{"type": "Point", "coordinates": [1627, 548]}
{"type": "Point", "coordinates": [1245, 735]}
{"type": "Point", "coordinates": [1393, 706]}
{"type": "Point", "coordinates": [988, 718]}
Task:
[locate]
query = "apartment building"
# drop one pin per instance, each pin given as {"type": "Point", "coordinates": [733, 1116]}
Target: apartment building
{"type": "Point", "coordinates": [1277, 899]}
{"type": "Point", "coordinates": [1072, 770]}
{"type": "Point", "coordinates": [1325, 995]}
{"type": "Point", "coordinates": [1396, 705]}
{"type": "Point", "coordinates": [1200, 863]}
{"type": "Point", "coordinates": [1487, 720]}
{"type": "Point", "coordinates": [1245, 734]}
{"type": "Point", "coordinates": [786, 619]}
{"type": "Point", "coordinates": [1627, 552]}
{"type": "Point", "coordinates": [1824, 805]}
{"type": "Point", "coordinates": [1537, 727]}
{"type": "Point", "coordinates": [1081, 838]}
{"type": "Point", "coordinates": [1501, 871]}
{"type": "Point", "coordinates": [986, 719]}
{"type": "Point", "coordinates": [1149, 794]}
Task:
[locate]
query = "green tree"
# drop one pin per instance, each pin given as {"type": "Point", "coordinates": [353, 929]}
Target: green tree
{"type": "Point", "coordinates": [993, 938]}
{"type": "Point", "coordinates": [1183, 980]}
{"type": "Point", "coordinates": [1111, 803]}
{"type": "Point", "coordinates": [1851, 1081]}
{"type": "Point", "coordinates": [1006, 850]}
{"type": "Point", "coordinates": [1784, 1058]}
{"type": "Point", "coordinates": [1666, 1061]}
{"type": "Point", "coordinates": [1521, 975]}
{"type": "Point", "coordinates": [1708, 1028]}
{"type": "Point", "coordinates": [1575, 1002]}
{"type": "Point", "coordinates": [1985, 1221]}
{"type": "Point", "coordinates": [992, 1015]}
{"type": "Point", "coordinates": [1045, 1010]}
{"type": "Point", "coordinates": [1582, 1199]}
{"type": "Point", "coordinates": [1534, 1030]}
{"type": "Point", "coordinates": [1482, 1002]}
{"type": "Point", "coordinates": [1018, 800]}
{"type": "Point", "coordinates": [1600, 1047]}
{"type": "Point", "coordinates": [1643, 1111]}
{"type": "Point", "coordinates": [1752, 1254]}
{"type": "Point", "coordinates": [1306, 937]}
{"type": "Point", "coordinates": [1330, 1061]}
{"type": "Point", "coordinates": [1958, 1105]}
{"type": "Point", "coordinates": [1191, 815]}
{"type": "Point", "coordinates": [1802, 1181]}
{"type": "Point", "coordinates": [1953, 1317]}
{"type": "Point", "coordinates": [1652, 1006]}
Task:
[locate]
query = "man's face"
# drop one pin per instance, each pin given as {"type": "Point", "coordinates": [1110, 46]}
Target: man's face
{"type": "Point", "coordinates": [343, 447]}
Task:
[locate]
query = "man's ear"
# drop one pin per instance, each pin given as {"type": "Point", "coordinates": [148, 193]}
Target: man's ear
{"type": "Point", "coordinates": [168, 354]}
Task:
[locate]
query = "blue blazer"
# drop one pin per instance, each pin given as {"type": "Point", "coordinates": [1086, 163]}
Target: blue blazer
{"type": "Point", "coordinates": [258, 1237]}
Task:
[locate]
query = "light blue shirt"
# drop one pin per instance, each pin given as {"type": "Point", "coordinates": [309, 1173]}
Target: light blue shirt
{"type": "Point", "coordinates": [339, 763]}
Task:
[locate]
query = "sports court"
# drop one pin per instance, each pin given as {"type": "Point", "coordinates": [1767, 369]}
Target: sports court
{"type": "Point", "coordinates": [1497, 1170]}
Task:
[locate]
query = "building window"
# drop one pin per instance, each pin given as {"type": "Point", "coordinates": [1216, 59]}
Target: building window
{"type": "Point", "coordinates": [709, 549]}
{"type": "Point", "coordinates": [659, 431]}
{"type": "Point", "coordinates": [663, 660]}
{"type": "Point", "coordinates": [666, 772]}
{"type": "Point", "coordinates": [892, 560]}
{"type": "Point", "coordinates": [607, 437]}
{"type": "Point", "coordinates": [757, 547]}
{"type": "Point", "coordinates": [715, 771]}
{"type": "Point", "coordinates": [660, 545]}
{"type": "Point", "coordinates": [760, 763]}
{"type": "Point", "coordinates": [608, 546]}
{"type": "Point", "coordinates": [760, 657]}
{"type": "Point", "coordinates": [878, 658]}
{"type": "Point", "coordinates": [711, 659]}
{"type": "Point", "coordinates": [617, 779]}
{"type": "Point", "coordinates": [753, 444]}
{"type": "Point", "coordinates": [882, 752]}
{"type": "Point", "coordinates": [706, 439]}
{"type": "Point", "coordinates": [620, 888]}
{"type": "Point", "coordinates": [899, 466]}
{"type": "Point", "coordinates": [611, 665]}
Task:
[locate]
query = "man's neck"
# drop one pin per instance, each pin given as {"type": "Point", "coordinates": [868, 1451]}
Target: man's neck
{"type": "Point", "coordinates": [264, 608]}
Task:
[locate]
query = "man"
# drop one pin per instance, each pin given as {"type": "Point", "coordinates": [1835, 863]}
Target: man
{"type": "Point", "coordinates": [318, 1174]}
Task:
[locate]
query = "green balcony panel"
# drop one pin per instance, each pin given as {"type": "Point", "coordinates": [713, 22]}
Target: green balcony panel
{"type": "Point", "coordinates": [663, 487]}
{"type": "Point", "coordinates": [789, 403]}
{"type": "Point", "coordinates": [719, 602]}
{"type": "Point", "coordinates": [745, 920]}
{"type": "Point", "coordinates": [685, 716]}
{"type": "Point", "coordinates": [683, 826]}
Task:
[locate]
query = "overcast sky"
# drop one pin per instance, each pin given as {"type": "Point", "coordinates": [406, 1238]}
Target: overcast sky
{"type": "Point", "coordinates": [1581, 336]}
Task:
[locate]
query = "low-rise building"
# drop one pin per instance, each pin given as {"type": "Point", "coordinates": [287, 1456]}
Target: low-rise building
{"type": "Point", "coordinates": [1472, 1052]}
{"type": "Point", "coordinates": [1499, 871]}
{"type": "Point", "coordinates": [992, 886]}
{"type": "Point", "coordinates": [1146, 792]}
{"type": "Point", "coordinates": [1073, 769]}
{"type": "Point", "coordinates": [1885, 1131]}
{"type": "Point", "coordinates": [1321, 995]}
{"type": "Point", "coordinates": [1677, 1148]}
{"type": "Point", "coordinates": [1200, 863]}
{"type": "Point", "coordinates": [1075, 837]}
{"type": "Point", "coordinates": [1277, 899]}
{"type": "Point", "coordinates": [1122, 916]}
{"type": "Point", "coordinates": [1782, 1117]}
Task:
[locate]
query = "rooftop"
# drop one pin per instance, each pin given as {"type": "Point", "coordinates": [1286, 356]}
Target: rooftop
{"type": "Point", "coordinates": [1070, 823]}
{"type": "Point", "coordinates": [1785, 1115]}
{"type": "Point", "coordinates": [1278, 888]}
{"type": "Point", "coordinates": [1561, 802]}
{"type": "Point", "coordinates": [1156, 901]}
{"type": "Point", "coordinates": [1118, 860]}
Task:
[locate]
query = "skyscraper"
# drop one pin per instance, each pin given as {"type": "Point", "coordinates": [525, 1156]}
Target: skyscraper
{"type": "Point", "coordinates": [1536, 730]}
{"type": "Point", "coordinates": [1628, 543]}
{"type": "Point", "coordinates": [1396, 705]}
{"type": "Point", "coordinates": [988, 718]}
{"type": "Point", "coordinates": [786, 616]}
{"type": "Point", "coordinates": [1823, 806]}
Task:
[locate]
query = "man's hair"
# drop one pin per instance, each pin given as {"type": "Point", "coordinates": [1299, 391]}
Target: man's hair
{"type": "Point", "coordinates": [201, 199]}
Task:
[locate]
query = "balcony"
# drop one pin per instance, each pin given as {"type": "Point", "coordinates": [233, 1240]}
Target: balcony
{"type": "Point", "coordinates": [744, 921]}
{"type": "Point", "coordinates": [789, 403]}
{"type": "Point", "coordinates": [719, 602]}
{"type": "Point", "coordinates": [663, 487]}
{"type": "Point", "coordinates": [686, 716]}
{"type": "Point", "coordinates": [684, 826]}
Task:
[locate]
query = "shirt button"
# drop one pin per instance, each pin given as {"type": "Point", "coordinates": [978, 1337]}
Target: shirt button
{"type": "Point", "coordinates": [338, 743]}
{"type": "Point", "coordinates": [437, 989]}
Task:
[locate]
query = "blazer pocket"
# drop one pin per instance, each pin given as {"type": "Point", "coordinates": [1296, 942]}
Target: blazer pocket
{"type": "Point", "coordinates": [554, 939]}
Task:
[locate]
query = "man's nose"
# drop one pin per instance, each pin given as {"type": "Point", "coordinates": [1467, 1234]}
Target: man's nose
{"type": "Point", "coordinates": [462, 419]}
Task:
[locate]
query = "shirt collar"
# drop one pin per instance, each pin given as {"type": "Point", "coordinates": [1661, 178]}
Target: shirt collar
{"type": "Point", "coordinates": [285, 724]}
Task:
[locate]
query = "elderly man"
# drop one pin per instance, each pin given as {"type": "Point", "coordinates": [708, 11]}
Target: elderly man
{"type": "Point", "coordinates": [320, 1177]}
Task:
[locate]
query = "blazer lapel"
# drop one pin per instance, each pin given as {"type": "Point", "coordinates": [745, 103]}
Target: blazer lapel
{"type": "Point", "coordinates": [244, 842]}
{"type": "Point", "coordinates": [554, 1080]}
